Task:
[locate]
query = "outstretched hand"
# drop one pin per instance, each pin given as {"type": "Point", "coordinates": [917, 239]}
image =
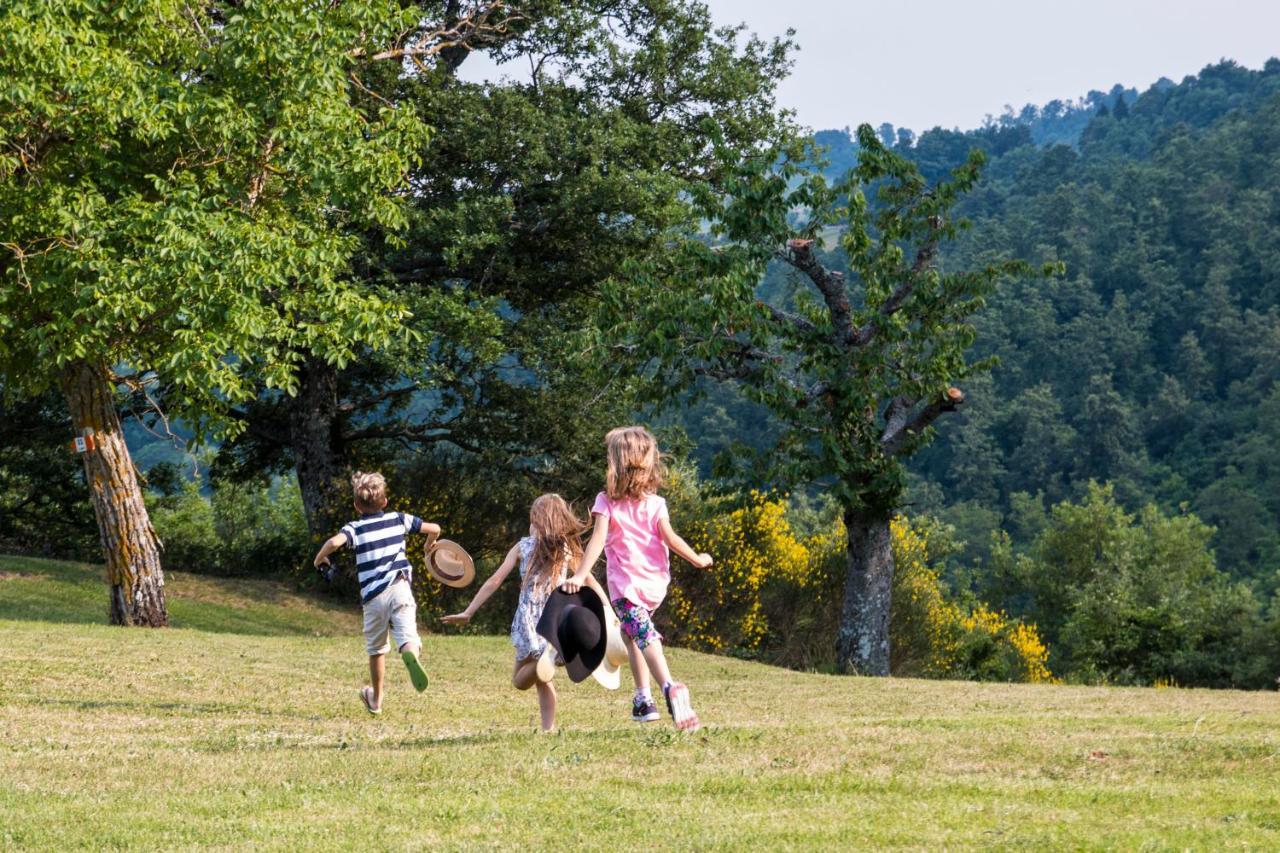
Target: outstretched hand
{"type": "Point", "coordinates": [456, 619]}
{"type": "Point", "coordinates": [704, 561]}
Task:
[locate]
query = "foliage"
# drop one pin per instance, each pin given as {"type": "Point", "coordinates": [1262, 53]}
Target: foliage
{"type": "Point", "coordinates": [932, 636]}
{"type": "Point", "coordinates": [774, 592]}
{"type": "Point", "coordinates": [43, 505]}
{"type": "Point", "coordinates": [243, 529]}
{"type": "Point", "coordinates": [178, 183]}
{"type": "Point", "coordinates": [1131, 599]}
{"type": "Point", "coordinates": [758, 557]}
{"type": "Point", "coordinates": [901, 338]}
{"type": "Point", "coordinates": [535, 188]}
{"type": "Point", "coordinates": [1152, 364]}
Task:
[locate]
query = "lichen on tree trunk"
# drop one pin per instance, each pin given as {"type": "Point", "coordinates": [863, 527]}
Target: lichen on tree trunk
{"type": "Point", "coordinates": [129, 542]}
{"type": "Point", "coordinates": [862, 645]}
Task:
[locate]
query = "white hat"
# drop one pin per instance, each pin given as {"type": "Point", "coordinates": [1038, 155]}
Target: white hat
{"type": "Point", "coordinates": [615, 653]}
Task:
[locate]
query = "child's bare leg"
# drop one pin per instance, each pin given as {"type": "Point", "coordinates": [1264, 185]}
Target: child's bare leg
{"type": "Point", "coordinates": [411, 647]}
{"type": "Point", "coordinates": [657, 662]}
{"type": "Point", "coordinates": [636, 658]}
{"type": "Point", "coordinates": [377, 671]}
{"type": "Point", "coordinates": [547, 704]}
{"type": "Point", "coordinates": [525, 674]}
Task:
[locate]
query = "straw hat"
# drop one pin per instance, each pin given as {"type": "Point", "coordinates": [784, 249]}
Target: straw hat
{"type": "Point", "coordinates": [574, 625]}
{"type": "Point", "coordinates": [615, 653]}
{"type": "Point", "coordinates": [450, 564]}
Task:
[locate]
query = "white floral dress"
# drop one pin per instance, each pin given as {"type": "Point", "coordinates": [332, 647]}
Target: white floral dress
{"type": "Point", "coordinates": [524, 627]}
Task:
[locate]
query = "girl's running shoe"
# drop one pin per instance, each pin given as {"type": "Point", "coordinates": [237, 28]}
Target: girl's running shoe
{"type": "Point", "coordinates": [644, 711]}
{"type": "Point", "coordinates": [678, 705]}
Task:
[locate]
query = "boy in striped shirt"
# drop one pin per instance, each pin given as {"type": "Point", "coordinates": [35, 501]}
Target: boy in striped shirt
{"type": "Point", "coordinates": [385, 576]}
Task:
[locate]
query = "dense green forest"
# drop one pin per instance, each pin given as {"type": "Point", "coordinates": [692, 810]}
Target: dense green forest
{"type": "Point", "coordinates": [1152, 364]}
{"type": "Point", "coordinates": [1121, 450]}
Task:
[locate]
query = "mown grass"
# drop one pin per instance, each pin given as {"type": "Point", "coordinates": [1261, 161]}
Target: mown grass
{"type": "Point", "coordinates": [202, 737]}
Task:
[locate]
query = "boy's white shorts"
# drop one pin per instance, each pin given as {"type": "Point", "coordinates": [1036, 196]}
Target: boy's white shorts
{"type": "Point", "coordinates": [392, 610]}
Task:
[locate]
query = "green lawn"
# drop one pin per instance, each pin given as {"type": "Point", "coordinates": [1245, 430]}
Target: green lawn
{"type": "Point", "coordinates": [243, 727]}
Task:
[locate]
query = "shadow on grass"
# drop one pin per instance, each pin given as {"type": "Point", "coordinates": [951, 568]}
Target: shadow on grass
{"type": "Point", "coordinates": [74, 593]}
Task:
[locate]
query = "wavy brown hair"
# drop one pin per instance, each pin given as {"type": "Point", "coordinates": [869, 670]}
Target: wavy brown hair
{"type": "Point", "coordinates": [635, 465]}
{"type": "Point", "coordinates": [557, 533]}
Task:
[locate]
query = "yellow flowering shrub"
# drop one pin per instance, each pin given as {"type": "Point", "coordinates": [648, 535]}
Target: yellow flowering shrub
{"type": "Point", "coordinates": [924, 626]}
{"type": "Point", "coordinates": [721, 608]}
{"type": "Point", "coordinates": [931, 636]}
{"type": "Point", "coordinates": [776, 593]}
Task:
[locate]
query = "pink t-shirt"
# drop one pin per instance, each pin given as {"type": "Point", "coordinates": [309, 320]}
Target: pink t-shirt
{"type": "Point", "coordinates": [639, 565]}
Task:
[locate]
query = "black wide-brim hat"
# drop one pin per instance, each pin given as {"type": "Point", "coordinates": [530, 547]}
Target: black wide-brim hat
{"type": "Point", "coordinates": [574, 624]}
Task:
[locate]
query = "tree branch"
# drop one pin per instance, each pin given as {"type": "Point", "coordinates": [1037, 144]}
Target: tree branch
{"type": "Point", "coordinates": [830, 284]}
{"type": "Point", "coordinates": [902, 429]}
{"type": "Point", "coordinates": [924, 259]}
{"type": "Point", "coordinates": [259, 180]}
{"type": "Point", "coordinates": [794, 322]}
{"type": "Point", "coordinates": [459, 36]}
{"type": "Point", "coordinates": [420, 434]}
{"type": "Point", "coordinates": [375, 399]}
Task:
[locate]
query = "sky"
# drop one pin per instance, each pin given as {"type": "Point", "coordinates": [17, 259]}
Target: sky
{"type": "Point", "coordinates": [922, 63]}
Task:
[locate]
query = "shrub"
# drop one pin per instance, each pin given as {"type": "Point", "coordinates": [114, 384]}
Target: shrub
{"type": "Point", "coordinates": [931, 636]}
{"type": "Point", "coordinates": [722, 608]}
{"type": "Point", "coordinates": [255, 528]}
{"type": "Point", "coordinates": [775, 592]}
{"type": "Point", "coordinates": [1134, 599]}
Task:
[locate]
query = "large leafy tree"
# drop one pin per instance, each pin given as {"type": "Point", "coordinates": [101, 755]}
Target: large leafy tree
{"type": "Point", "coordinates": [179, 185]}
{"type": "Point", "coordinates": [535, 189]}
{"type": "Point", "coordinates": [857, 369]}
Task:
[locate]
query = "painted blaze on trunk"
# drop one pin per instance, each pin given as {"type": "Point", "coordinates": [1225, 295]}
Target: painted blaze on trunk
{"type": "Point", "coordinates": [129, 542]}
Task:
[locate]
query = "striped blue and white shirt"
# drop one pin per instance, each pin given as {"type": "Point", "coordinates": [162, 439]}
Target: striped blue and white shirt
{"type": "Point", "coordinates": [378, 540]}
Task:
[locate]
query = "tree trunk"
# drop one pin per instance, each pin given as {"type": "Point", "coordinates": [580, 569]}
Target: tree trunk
{"type": "Point", "coordinates": [129, 541]}
{"type": "Point", "coordinates": [313, 424]}
{"type": "Point", "coordinates": [862, 644]}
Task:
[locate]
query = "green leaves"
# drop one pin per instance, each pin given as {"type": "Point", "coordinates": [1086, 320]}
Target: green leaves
{"type": "Point", "coordinates": [184, 188]}
{"type": "Point", "coordinates": [860, 365]}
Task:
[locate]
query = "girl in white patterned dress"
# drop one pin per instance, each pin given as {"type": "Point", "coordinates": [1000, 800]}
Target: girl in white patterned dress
{"type": "Point", "coordinates": [547, 556]}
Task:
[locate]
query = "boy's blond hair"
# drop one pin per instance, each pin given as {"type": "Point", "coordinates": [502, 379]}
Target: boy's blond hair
{"type": "Point", "coordinates": [370, 491]}
{"type": "Point", "coordinates": [635, 466]}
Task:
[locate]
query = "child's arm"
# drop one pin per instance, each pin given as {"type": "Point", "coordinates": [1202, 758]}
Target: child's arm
{"type": "Point", "coordinates": [431, 529]}
{"type": "Point", "coordinates": [330, 545]}
{"type": "Point", "coordinates": [681, 547]}
{"type": "Point", "coordinates": [592, 553]}
{"type": "Point", "coordinates": [486, 589]}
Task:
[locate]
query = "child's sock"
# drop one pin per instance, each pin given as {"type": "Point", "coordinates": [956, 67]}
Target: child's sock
{"type": "Point", "coordinates": [643, 694]}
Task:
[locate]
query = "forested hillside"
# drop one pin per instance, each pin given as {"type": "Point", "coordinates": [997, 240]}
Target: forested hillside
{"type": "Point", "coordinates": [1153, 363]}
{"type": "Point", "coordinates": [1109, 484]}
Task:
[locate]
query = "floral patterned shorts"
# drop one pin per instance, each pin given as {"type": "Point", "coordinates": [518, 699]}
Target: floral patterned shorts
{"type": "Point", "coordinates": [637, 622]}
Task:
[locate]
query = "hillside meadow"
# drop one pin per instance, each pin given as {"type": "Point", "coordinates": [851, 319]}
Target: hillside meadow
{"type": "Point", "coordinates": [241, 726]}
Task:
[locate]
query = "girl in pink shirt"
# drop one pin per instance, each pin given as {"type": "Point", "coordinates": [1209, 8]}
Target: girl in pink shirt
{"type": "Point", "coordinates": [634, 532]}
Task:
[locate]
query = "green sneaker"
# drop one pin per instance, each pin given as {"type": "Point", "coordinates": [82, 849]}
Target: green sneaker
{"type": "Point", "coordinates": [417, 674]}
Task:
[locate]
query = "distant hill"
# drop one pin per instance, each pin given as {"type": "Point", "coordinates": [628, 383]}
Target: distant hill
{"type": "Point", "coordinates": [1155, 362]}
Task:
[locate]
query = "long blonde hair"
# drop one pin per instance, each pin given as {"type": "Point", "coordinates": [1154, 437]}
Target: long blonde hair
{"type": "Point", "coordinates": [635, 466]}
{"type": "Point", "coordinates": [556, 541]}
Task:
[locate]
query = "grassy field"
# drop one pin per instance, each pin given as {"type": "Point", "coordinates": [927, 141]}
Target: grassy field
{"type": "Point", "coordinates": [241, 726]}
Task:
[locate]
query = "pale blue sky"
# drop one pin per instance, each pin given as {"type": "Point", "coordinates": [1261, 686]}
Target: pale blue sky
{"type": "Point", "coordinates": [920, 63]}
